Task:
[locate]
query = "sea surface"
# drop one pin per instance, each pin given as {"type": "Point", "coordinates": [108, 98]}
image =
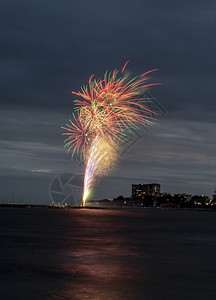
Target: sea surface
{"type": "Point", "coordinates": [122, 254]}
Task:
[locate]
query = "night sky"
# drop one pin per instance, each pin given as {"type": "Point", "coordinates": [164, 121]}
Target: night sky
{"type": "Point", "coordinates": [49, 48]}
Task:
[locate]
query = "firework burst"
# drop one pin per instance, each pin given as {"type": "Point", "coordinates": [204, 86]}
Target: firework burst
{"type": "Point", "coordinates": [107, 112]}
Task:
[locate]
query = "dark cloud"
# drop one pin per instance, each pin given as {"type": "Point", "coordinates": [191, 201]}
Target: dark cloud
{"type": "Point", "coordinates": [49, 48]}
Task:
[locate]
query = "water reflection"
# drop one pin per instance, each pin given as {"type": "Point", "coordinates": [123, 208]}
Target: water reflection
{"type": "Point", "coordinates": [102, 264]}
{"type": "Point", "coordinates": [109, 255]}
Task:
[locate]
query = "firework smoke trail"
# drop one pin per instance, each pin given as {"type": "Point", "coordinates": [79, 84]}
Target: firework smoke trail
{"type": "Point", "coordinates": [107, 112]}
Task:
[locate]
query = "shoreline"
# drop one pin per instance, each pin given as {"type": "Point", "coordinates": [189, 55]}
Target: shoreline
{"type": "Point", "coordinates": [14, 205]}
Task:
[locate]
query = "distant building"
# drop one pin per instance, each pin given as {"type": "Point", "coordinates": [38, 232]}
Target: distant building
{"type": "Point", "coordinates": [139, 191]}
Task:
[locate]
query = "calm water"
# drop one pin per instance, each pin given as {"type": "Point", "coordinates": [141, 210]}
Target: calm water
{"type": "Point", "coordinates": [107, 254]}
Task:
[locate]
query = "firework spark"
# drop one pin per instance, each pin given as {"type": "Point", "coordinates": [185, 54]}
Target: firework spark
{"type": "Point", "coordinates": [107, 112]}
{"type": "Point", "coordinates": [100, 160]}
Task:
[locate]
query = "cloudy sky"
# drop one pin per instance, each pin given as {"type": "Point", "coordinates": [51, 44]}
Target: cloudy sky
{"type": "Point", "coordinates": [49, 48]}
